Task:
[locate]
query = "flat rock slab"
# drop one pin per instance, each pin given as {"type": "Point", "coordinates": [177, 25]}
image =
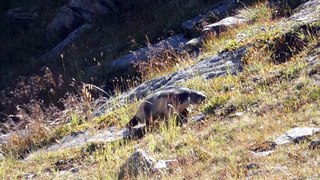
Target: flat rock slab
{"type": "Point", "coordinates": [295, 135]}
{"type": "Point", "coordinates": [223, 25]}
{"type": "Point", "coordinates": [211, 67]}
{"type": "Point", "coordinates": [215, 13]}
{"type": "Point", "coordinates": [208, 68]}
{"type": "Point", "coordinates": [143, 54]}
{"type": "Point", "coordinates": [103, 136]}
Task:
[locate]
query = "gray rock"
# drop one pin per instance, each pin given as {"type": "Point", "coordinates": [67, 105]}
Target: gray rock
{"type": "Point", "coordinates": [215, 14]}
{"type": "Point", "coordinates": [1, 157]}
{"type": "Point", "coordinates": [208, 68]}
{"type": "Point", "coordinates": [164, 164]}
{"type": "Point", "coordinates": [307, 13]}
{"type": "Point", "coordinates": [139, 163]}
{"type": "Point", "coordinates": [30, 175]}
{"type": "Point", "coordinates": [20, 16]}
{"type": "Point", "coordinates": [65, 22]}
{"type": "Point", "coordinates": [295, 135]}
{"type": "Point", "coordinates": [102, 136]}
{"type": "Point", "coordinates": [223, 25]}
{"type": "Point", "coordinates": [73, 15]}
{"type": "Point", "coordinates": [143, 54]}
{"type": "Point", "coordinates": [197, 118]}
{"type": "Point", "coordinates": [211, 67]}
{"type": "Point", "coordinates": [261, 154]}
{"type": "Point", "coordinates": [59, 49]}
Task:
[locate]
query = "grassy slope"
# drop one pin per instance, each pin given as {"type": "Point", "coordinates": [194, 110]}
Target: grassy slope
{"type": "Point", "coordinates": [271, 102]}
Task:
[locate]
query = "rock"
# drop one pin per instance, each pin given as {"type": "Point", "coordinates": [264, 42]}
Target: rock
{"type": "Point", "coordinates": [314, 145]}
{"type": "Point", "coordinates": [296, 135]}
{"type": "Point", "coordinates": [143, 54]}
{"type": "Point", "coordinates": [212, 15]}
{"type": "Point", "coordinates": [165, 164]}
{"type": "Point", "coordinates": [102, 136]}
{"type": "Point", "coordinates": [1, 157]}
{"type": "Point", "coordinates": [73, 15]}
{"type": "Point", "coordinates": [30, 175]}
{"type": "Point", "coordinates": [211, 67]}
{"type": "Point", "coordinates": [65, 22]}
{"type": "Point", "coordinates": [307, 13]}
{"type": "Point", "coordinates": [197, 118]}
{"type": "Point", "coordinates": [56, 52]}
{"type": "Point", "coordinates": [261, 154]}
{"type": "Point", "coordinates": [194, 45]}
{"type": "Point", "coordinates": [139, 163]}
{"type": "Point", "coordinates": [20, 17]}
{"type": "Point", "coordinates": [223, 25]}
{"type": "Point", "coordinates": [208, 68]}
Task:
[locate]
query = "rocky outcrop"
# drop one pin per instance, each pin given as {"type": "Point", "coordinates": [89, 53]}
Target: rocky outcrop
{"type": "Point", "coordinates": [296, 135]}
{"type": "Point", "coordinates": [139, 163]}
{"type": "Point", "coordinates": [73, 15]}
{"type": "Point", "coordinates": [211, 16]}
{"type": "Point", "coordinates": [173, 43]}
{"type": "Point", "coordinates": [208, 68]}
{"type": "Point", "coordinates": [223, 25]}
{"type": "Point", "coordinates": [20, 17]}
{"type": "Point", "coordinates": [67, 42]}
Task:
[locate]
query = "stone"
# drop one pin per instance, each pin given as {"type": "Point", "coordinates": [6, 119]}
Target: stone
{"type": "Point", "coordinates": [139, 163]}
{"type": "Point", "coordinates": [64, 22]}
{"type": "Point", "coordinates": [30, 175]}
{"type": "Point", "coordinates": [164, 164]}
{"type": "Point", "coordinates": [208, 68]}
{"type": "Point", "coordinates": [215, 14]}
{"type": "Point", "coordinates": [261, 154]}
{"type": "Point", "coordinates": [20, 16]}
{"type": "Point", "coordinates": [307, 13]}
{"type": "Point", "coordinates": [296, 135]}
{"type": "Point", "coordinates": [223, 25]}
{"type": "Point", "coordinates": [56, 52]}
{"type": "Point", "coordinates": [143, 54]}
{"type": "Point", "coordinates": [314, 145]}
{"type": "Point", "coordinates": [75, 14]}
{"type": "Point", "coordinates": [197, 118]}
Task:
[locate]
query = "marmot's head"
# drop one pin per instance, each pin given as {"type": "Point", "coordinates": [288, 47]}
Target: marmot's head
{"type": "Point", "coordinates": [193, 97]}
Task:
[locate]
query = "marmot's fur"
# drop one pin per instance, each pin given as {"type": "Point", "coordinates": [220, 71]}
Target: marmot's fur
{"type": "Point", "coordinates": [164, 104]}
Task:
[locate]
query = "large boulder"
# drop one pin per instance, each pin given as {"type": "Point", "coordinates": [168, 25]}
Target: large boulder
{"type": "Point", "coordinates": [74, 14]}
{"type": "Point", "coordinates": [139, 163]}
{"type": "Point", "coordinates": [20, 17]}
{"type": "Point", "coordinates": [208, 68]}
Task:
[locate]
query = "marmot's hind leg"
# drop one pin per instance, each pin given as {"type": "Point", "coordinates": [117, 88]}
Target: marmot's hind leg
{"type": "Point", "coordinates": [182, 118]}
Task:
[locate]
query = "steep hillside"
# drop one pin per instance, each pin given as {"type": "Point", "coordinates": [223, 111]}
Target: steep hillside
{"type": "Point", "coordinates": [260, 72]}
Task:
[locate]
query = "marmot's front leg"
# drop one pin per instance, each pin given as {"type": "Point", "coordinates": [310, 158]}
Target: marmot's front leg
{"type": "Point", "coordinates": [182, 118]}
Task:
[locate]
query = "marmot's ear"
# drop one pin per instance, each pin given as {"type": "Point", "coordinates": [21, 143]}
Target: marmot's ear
{"type": "Point", "coordinates": [133, 122]}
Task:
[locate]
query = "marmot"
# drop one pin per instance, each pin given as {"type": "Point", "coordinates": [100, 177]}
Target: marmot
{"type": "Point", "coordinates": [164, 104]}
